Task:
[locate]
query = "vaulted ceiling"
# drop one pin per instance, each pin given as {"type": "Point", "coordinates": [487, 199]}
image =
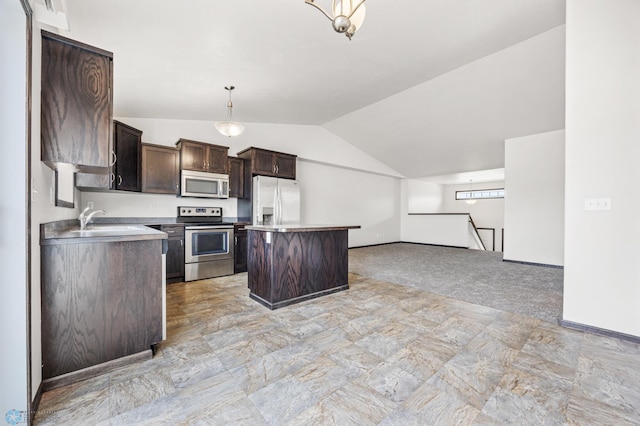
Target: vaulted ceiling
{"type": "Point", "coordinates": [428, 87]}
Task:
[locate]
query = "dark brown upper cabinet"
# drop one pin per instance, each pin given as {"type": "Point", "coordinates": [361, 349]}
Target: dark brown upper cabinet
{"type": "Point", "coordinates": [202, 157]}
{"type": "Point", "coordinates": [270, 163]}
{"type": "Point", "coordinates": [126, 167]}
{"type": "Point", "coordinates": [76, 104]}
{"type": "Point", "coordinates": [160, 169]}
{"type": "Point", "coordinates": [236, 177]}
{"type": "Point", "coordinates": [127, 143]}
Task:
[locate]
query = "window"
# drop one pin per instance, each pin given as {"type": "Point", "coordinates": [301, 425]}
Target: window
{"type": "Point", "coordinates": [478, 194]}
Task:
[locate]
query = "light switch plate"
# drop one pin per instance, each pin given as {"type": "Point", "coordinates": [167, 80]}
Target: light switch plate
{"type": "Point", "coordinates": [597, 204]}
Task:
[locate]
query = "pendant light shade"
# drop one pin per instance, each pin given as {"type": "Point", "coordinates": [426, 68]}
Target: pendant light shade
{"type": "Point", "coordinates": [347, 15]}
{"type": "Point", "coordinates": [229, 127]}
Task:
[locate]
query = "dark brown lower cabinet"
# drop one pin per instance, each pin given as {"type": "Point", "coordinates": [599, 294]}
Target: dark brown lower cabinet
{"type": "Point", "coordinates": [100, 301]}
{"type": "Point", "coordinates": [175, 254]}
{"type": "Point", "coordinates": [240, 253]}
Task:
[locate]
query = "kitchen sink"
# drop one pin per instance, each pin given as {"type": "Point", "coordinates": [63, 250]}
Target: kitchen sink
{"type": "Point", "coordinates": [104, 230]}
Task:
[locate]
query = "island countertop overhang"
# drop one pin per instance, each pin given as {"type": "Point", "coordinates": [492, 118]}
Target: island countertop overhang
{"type": "Point", "coordinates": [300, 228]}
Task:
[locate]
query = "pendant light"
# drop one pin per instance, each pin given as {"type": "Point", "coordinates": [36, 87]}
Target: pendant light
{"type": "Point", "coordinates": [348, 15]}
{"type": "Point", "coordinates": [229, 127]}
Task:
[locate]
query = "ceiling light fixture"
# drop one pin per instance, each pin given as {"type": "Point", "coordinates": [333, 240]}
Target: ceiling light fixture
{"type": "Point", "coordinates": [348, 15]}
{"type": "Point", "coordinates": [470, 201]}
{"type": "Point", "coordinates": [229, 127]}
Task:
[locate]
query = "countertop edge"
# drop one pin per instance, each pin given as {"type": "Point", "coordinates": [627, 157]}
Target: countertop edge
{"type": "Point", "coordinates": [300, 228]}
{"type": "Point", "coordinates": [157, 235]}
{"type": "Point", "coordinates": [55, 233]}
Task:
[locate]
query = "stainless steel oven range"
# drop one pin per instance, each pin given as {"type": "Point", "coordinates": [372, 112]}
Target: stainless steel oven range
{"type": "Point", "coordinates": [208, 250]}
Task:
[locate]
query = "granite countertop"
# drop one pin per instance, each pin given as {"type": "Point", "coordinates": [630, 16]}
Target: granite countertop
{"type": "Point", "coordinates": [300, 228]}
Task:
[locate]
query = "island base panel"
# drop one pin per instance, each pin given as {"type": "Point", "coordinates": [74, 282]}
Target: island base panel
{"type": "Point", "coordinates": [290, 267]}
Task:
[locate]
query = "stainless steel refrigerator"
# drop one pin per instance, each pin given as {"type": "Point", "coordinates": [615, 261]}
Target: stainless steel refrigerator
{"type": "Point", "coordinates": [275, 201]}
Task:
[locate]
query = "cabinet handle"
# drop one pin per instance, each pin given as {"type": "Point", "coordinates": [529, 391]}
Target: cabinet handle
{"type": "Point", "coordinates": [119, 180]}
{"type": "Point", "coordinates": [113, 177]}
{"type": "Point", "coordinates": [115, 158]}
{"type": "Point", "coordinates": [236, 239]}
{"type": "Point", "coordinates": [181, 243]}
{"type": "Point", "coordinates": [170, 232]}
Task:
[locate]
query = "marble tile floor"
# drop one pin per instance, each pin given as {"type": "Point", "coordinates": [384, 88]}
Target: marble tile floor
{"type": "Point", "coordinates": [378, 353]}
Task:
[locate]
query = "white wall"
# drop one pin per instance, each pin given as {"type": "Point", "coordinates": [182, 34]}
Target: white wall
{"type": "Point", "coordinates": [437, 229]}
{"type": "Point", "coordinates": [13, 208]}
{"type": "Point", "coordinates": [340, 184]}
{"type": "Point", "coordinates": [335, 195]}
{"type": "Point", "coordinates": [534, 198]}
{"type": "Point", "coordinates": [426, 197]}
{"type": "Point", "coordinates": [307, 142]}
{"type": "Point", "coordinates": [422, 197]}
{"type": "Point", "coordinates": [601, 285]}
{"type": "Point", "coordinates": [487, 213]}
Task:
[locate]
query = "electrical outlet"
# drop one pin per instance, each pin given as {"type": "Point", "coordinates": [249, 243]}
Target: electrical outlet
{"type": "Point", "coordinates": [90, 204]}
{"type": "Point", "coordinates": [597, 204]}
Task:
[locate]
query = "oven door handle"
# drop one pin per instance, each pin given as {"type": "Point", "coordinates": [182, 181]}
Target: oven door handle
{"type": "Point", "coordinates": [207, 228]}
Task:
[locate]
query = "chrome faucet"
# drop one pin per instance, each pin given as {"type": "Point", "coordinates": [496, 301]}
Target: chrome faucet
{"type": "Point", "coordinates": [85, 218]}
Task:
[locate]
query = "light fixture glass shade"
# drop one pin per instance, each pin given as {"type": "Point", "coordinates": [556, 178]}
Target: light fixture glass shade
{"type": "Point", "coordinates": [345, 8]}
{"type": "Point", "coordinates": [347, 16]}
{"type": "Point", "coordinates": [229, 128]}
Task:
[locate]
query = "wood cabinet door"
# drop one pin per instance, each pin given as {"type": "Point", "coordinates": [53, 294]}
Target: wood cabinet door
{"type": "Point", "coordinates": [76, 104]}
{"type": "Point", "coordinates": [175, 252]}
{"type": "Point", "coordinates": [160, 169]}
{"type": "Point", "coordinates": [286, 166]}
{"type": "Point", "coordinates": [263, 163]}
{"type": "Point", "coordinates": [175, 258]}
{"type": "Point", "coordinates": [240, 264]}
{"type": "Point", "coordinates": [193, 156]}
{"type": "Point", "coordinates": [128, 149]}
{"type": "Point", "coordinates": [217, 159]}
{"type": "Point", "coordinates": [236, 177]}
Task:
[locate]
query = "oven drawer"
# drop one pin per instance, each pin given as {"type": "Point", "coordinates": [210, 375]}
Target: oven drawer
{"type": "Point", "coordinates": [203, 270]}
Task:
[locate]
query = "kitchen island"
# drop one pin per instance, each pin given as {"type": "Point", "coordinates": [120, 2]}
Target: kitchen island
{"type": "Point", "coordinates": [291, 263]}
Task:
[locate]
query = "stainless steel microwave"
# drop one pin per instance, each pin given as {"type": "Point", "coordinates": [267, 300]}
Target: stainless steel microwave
{"type": "Point", "coordinates": [204, 184]}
